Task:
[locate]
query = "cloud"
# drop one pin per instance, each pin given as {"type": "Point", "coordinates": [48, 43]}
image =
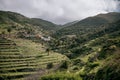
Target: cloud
{"type": "Point", "coordinates": [60, 11]}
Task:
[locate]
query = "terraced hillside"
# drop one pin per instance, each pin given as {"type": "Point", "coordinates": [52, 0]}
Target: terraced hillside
{"type": "Point", "coordinates": [20, 58]}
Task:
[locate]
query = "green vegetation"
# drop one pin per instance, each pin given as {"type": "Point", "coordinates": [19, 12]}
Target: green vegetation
{"type": "Point", "coordinates": [61, 76]}
{"type": "Point", "coordinates": [81, 50]}
{"type": "Point", "coordinates": [19, 22]}
{"type": "Point", "coordinates": [89, 25]}
{"type": "Point", "coordinates": [92, 51]}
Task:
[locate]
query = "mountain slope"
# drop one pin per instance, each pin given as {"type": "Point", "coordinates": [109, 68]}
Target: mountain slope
{"type": "Point", "coordinates": [97, 56]}
{"type": "Point", "coordinates": [44, 24]}
{"type": "Point", "coordinates": [103, 59]}
{"type": "Point", "coordinates": [12, 18]}
{"type": "Point", "coordinates": [92, 46]}
{"type": "Point", "coordinates": [23, 53]}
{"type": "Point", "coordinates": [71, 38]}
{"type": "Point", "coordinates": [89, 24]}
{"type": "Point", "coordinates": [96, 59]}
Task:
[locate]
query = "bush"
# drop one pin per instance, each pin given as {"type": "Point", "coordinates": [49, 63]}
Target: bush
{"type": "Point", "coordinates": [106, 50]}
{"type": "Point", "coordinates": [93, 65]}
{"type": "Point", "coordinates": [49, 65]}
{"type": "Point", "coordinates": [64, 65]}
{"type": "Point", "coordinates": [91, 59]}
{"type": "Point", "coordinates": [78, 62]}
{"type": "Point", "coordinates": [75, 68]}
{"type": "Point", "coordinates": [108, 73]}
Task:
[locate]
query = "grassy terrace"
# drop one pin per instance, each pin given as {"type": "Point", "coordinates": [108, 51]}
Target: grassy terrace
{"type": "Point", "coordinates": [20, 58]}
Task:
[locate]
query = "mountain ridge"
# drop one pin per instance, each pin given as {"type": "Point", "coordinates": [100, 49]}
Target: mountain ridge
{"type": "Point", "coordinates": [12, 18]}
{"type": "Point", "coordinates": [90, 22]}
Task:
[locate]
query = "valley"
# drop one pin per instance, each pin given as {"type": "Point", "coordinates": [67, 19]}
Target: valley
{"type": "Point", "coordinates": [35, 49]}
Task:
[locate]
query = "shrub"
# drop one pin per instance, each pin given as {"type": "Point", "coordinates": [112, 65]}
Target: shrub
{"type": "Point", "coordinates": [64, 65]}
{"type": "Point", "coordinates": [75, 68]}
{"type": "Point", "coordinates": [49, 65]}
{"type": "Point", "coordinates": [78, 62]}
{"type": "Point", "coordinates": [108, 73]}
{"type": "Point", "coordinates": [93, 65]}
{"type": "Point", "coordinates": [91, 59]}
{"type": "Point", "coordinates": [106, 50]}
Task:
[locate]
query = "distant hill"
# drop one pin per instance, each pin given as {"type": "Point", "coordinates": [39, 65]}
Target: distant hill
{"type": "Point", "coordinates": [44, 24]}
{"type": "Point", "coordinates": [89, 24]}
{"type": "Point", "coordinates": [12, 18]}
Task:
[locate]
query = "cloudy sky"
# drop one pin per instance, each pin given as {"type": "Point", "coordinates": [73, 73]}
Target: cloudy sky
{"type": "Point", "coordinates": [60, 11]}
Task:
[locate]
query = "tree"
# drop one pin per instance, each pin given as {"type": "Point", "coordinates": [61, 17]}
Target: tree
{"type": "Point", "coordinates": [9, 30]}
{"type": "Point", "coordinates": [48, 50]}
